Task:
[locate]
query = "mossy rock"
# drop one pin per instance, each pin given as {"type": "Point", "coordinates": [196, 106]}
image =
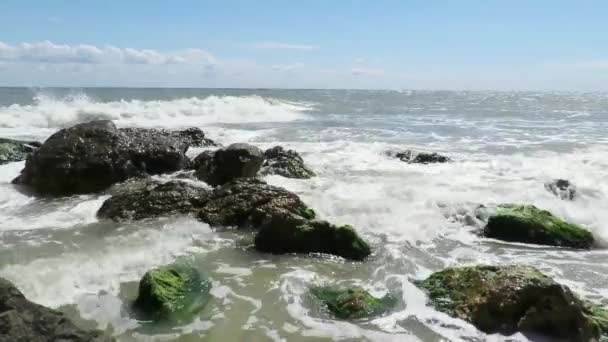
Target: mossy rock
{"type": "Point", "coordinates": [15, 150]}
{"type": "Point", "coordinates": [311, 236]}
{"type": "Point", "coordinates": [509, 299]}
{"type": "Point", "coordinates": [353, 303]}
{"type": "Point", "coordinates": [174, 293]}
{"type": "Point", "coordinates": [528, 224]}
{"type": "Point", "coordinates": [599, 318]}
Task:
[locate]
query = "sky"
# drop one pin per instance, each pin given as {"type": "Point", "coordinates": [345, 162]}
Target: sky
{"type": "Point", "coordinates": [380, 44]}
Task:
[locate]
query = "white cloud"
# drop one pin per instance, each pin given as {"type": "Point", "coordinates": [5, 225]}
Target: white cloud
{"type": "Point", "coordinates": [359, 71]}
{"type": "Point", "coordinates": [284, 46]}
{"type": "Point", "coordinates": [48, 52]}
{"type": "Point", "coordinates": [287, 67]}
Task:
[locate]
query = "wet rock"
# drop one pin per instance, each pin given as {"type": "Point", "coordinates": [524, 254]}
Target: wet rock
{"type": "Point", "coordinates": [235, 161]}
{"type": "Point", "coordinates": [413, 157]}
{"type": "Point", "coordinates": [528, 224]}
{"type": "Point", "coordinates": [509, 299]}
{"type": "Point", "coordinates": [195, 137]}
{"type": "Point", "coordinates": [92, 156]}
{"type": "Point", "coordinates": [174, 293]}
{"type": "Point", "coordinates": [148, 200]}
{"type": "Point", "coordinates": [353, 303]}
{"type": "Point", "coordinates": [562, 188]}
{"type": "Point", "coordinates": [289, 235]}
{"type": "Point", "coordinates": [16, 150]}
{"type": "Point", "coordinates": [286, 163]}
{"type": "Point", "coordinates": [248, 202]}
{"type": "Point", "coordinates": [24, 321]}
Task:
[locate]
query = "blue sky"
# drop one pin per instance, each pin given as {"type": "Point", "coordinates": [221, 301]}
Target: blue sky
{"type": "Point", "coordinates": [520, 45]}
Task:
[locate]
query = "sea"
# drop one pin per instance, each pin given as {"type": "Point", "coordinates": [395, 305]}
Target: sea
{"type": "Point", "coordinates": [504, 145]}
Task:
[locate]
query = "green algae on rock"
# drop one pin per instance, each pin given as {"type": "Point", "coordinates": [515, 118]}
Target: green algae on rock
{"type": "Point", "coordinates": [15, 150]}
{"type": "Point", "coordinates": [528, 224]}
{"type": "Point", "coordinates": [173, 293]}
{"type": "Point", "coordinates": [508, 299]}
{"type": "Point", "coordinates": [311, 236]}
{"type": "Point", "coordinates": [353, 303]}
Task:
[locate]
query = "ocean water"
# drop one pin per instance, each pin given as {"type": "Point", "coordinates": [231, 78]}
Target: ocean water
{"type": "Point", "coordinates": [504, 146]}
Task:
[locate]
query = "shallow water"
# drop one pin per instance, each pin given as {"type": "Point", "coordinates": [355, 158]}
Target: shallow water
{"type": "Point", "coordinates": [505, 146]}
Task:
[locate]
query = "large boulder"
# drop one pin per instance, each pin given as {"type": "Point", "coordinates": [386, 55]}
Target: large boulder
{"type": "Point", "coordinates": [528, 224]}
{"type": "Point", "coordinates": [413, 157]}
{"type": "Point", "coordinates": [286, 163]}
{"type": "Point", "coordinates": [150, 201]}
{"type": "Point", "coordinates": [352, 303]}
{"type": "Point", "coordinates": [16, 150]}
{"type": "Point", "coordinates": [24, 321]}
{"type": "Point", "coordinates": [235, 161]}
{"type": "Point", "coordinates": [174, 293]}
{"type": "Point", "coordinates": [562, 188]}
{"type": "Point", "coordinates": [92, 156]}
{"type": "Point", "coordinates": [280, 236]}
{"type": "Point", "coordinates": [509, 299]}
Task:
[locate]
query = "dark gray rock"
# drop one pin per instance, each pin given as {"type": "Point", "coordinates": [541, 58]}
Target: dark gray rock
{"type": "Point", "coordinates": [145, 200]}
{"type": "Point", "coordinates": [286, 163]}
{"type": "Point", "coordinates": [92, 156]}
{"type": "Point", "coordinates": [562, 188]}
{"type": "Point", "coordinates": [24, 321]}
{"type": "Point", "coordinates": [16, 150]}
{"type": "Point", "coordinates": [195, 137]}
{"type": "Point", "coordinates": [412, 157]}
{"type": "Point", "coordinates": [235, 161]}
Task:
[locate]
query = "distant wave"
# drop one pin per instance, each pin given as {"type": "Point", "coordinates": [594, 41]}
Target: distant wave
{"type": "Point", "coordinates": [51, 112]}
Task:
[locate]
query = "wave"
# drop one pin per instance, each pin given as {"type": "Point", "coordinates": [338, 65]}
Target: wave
{"type": "Point", "coordinates": [51, 112]}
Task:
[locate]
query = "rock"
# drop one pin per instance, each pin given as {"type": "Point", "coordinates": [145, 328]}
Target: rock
{"type": "Point", "coordinates": [562, 189]}
{"type": "Point", "coordinates": [290, 235]}
{"type": "Point", "coordinates": [412, 157]}
{"type": "Point", "coordinates": [528, 224]}
{"type": "Point", "coordinates": [509, 299]}
{"type": "Point", "coordinates": [248, 203]}
{"type": "Point", "coordinates": [353, 303]}
{"type": "Point", "coordinates": [174, 293]}
{"type": "Point", "coordinates": [195, 137]}
{"type": "Point", "coordinates": [92, 156]}
{"type": "Point", "coordinates": [16, 150]}
{"type": "Point", "coordinates": [24, 321]}
{"type": "Point", "coordinates": [235, 161]}
{"type": "Point", "coordinates": [278, 161]}
{"type": "Point", "coordinates": [150, 201]}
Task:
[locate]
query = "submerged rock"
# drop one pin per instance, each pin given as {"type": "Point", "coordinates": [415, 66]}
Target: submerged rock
{"type": "Point", "coordinates": [285, 223]}
{"type": "Point", "coordinates": [173, 293]}
{"type": "Point", "coordinates": [352, 303]}
{"type": "Point", "coordinates": [92, 156]}
{"type": "Point", "coordinates": [412, 157]}
{"type": "Point", "coordinates": [528, 224]}
{"type": "Point", "coordinates": [290, 235]}
{"type": "Point", "coordinates": [16, 150]}
{"type": "Point", "coordinates": [24, 321]}
{"type": "Point", "coordinates": [235, 161]}
{"type": "Point", "coordinates": [286, 163]}
{"type": "Point", "coordinates": [562, 188]}
{"type": "Point", "coordinates": [150, 201]}
{"type": "Point", "coordinates": [509, 299]}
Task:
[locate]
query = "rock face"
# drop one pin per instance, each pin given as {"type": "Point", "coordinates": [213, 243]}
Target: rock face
{"type": "Point", "coordinates": [352, 303]}
{"type": "Point", "coordinates": [514, 298]}
{"type": "Point", "coordinates": [195, 137]}
{"type": "Point", "coordinates": [290, 235]}
{"type": "Point", "coordinates": [235, 161]}
{"type": "Point", "coordinates": [528, 224]}
{"type": "Point", "coordinates": [284, 223]}
{"type": "Point", "coordinates": [153, 201]}
{"type": "Point", "coordinates": [92, 156]}
{"type": "Point", "coordinates": [24, 321]}
{"type": "Point", "coordinates": [173, 293]}
{"type": "Point", "coordinates": [412, 157]}
{"type": "Point", "coordinates": [16, 150]}
{"type": "Point", "coordinates": [278, 161]}
{"type": "Point", "coordinates": [562, 188]}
